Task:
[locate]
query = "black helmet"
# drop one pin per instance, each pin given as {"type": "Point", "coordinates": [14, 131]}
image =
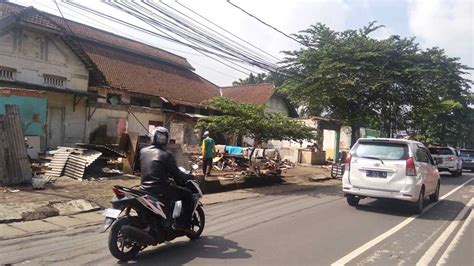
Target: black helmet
{"type": "Point", "coordinates": [160, 136]}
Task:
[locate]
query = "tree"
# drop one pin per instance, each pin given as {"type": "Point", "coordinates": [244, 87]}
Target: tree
{"type": "Point", "coordinates": [253, 121]}
{"type": "Point", "coordinates": [272, 77]}
{"type": "Point", "coordinates": [389, 84]}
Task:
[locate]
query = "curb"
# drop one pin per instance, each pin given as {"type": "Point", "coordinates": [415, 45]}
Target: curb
{"type": "Point", "coordinates": [60, 228]}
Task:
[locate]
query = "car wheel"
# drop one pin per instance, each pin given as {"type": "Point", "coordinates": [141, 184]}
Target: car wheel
{"type": "Point", "coordinates": [454, 173]}
{"type": "Point", "coordinates": [352, 200]}
{"type": "Point", "coordinates": [435, 196]}
{"type": "Point", "coordinates": [421, 201]}
{"type": "Point", "coordinates": [460, 172]}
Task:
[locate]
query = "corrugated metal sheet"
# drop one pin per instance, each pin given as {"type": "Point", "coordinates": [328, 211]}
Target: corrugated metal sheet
{"type": "Point", "coordinates": [2, 150]}
{"type": "Point", "coordinates": [16, 164]}
{"type": "Point", "coordinates": [72, 162]}
{"type": "Point", "coordinates": [58, 162]}
{"type": "Point", "coordinates": [77, 163]}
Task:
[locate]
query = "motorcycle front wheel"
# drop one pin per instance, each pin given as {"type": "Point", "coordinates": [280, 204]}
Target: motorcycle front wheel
{"type": "Point", "coordinates": [119, 246]}
{"type": "Point", "coordinates": [197, 223]}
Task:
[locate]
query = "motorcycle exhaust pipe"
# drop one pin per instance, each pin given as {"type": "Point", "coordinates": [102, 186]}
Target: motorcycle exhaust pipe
{"type": "Point", "coordinates": [138, 235]}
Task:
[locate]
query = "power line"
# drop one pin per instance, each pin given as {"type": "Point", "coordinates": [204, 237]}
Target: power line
{"type": "Point", "coordinates": [187, 30]}
{"type": "Point", "coordinates": [235, 45]}
{"type": "Point", "coordinates": [264, 23]}
{"type": "Point", "coordinates": [150, 22]}
{"type": "Point", "coordinates": [201, 16]}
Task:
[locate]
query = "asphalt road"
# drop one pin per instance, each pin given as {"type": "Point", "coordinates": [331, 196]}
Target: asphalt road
{"type": "Point", "coordinates": [302, 228]}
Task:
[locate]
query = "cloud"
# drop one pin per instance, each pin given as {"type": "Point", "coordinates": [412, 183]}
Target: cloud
{"type": "Point", "coordinates": [447, 24]}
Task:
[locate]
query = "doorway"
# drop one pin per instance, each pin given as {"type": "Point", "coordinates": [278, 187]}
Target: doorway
{"type": "Point", "coordinates": [55, 127]}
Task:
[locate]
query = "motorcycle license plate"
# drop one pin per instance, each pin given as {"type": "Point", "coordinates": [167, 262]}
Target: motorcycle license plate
{"type": "Point", "coordinates": [112, 213]}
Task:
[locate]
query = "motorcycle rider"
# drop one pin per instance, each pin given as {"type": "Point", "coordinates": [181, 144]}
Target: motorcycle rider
{"type": "Point", "coordinates": [158, 165]}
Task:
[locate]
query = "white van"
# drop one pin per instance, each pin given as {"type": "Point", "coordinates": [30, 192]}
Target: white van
{"type": "Point", "coordinates": [390, 168]}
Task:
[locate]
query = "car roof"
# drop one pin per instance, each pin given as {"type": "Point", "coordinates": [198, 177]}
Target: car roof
{"type": "Point", "coordinates": [391, 140]}
{"type": "Point", "coordinates": [467, 150]}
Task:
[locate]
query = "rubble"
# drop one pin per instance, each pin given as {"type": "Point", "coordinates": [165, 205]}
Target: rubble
{"type": "Point", "coordinates": [261, 162]}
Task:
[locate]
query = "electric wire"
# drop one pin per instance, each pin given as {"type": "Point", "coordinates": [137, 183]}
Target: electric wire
{"type": "Point", "coordinates": [216, 25]}
{"type": "Point", "coordinates": [264, 23]}
{"type": "Point", "coordinates": [238, 46]}
{"type": "Point", "coordinates": [157, 28]}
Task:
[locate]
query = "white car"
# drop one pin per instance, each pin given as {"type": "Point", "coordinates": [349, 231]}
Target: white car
{"type": "Point", "coordinates": [390, 168]}
{"type": "Point", "coordinates": [448, 160]}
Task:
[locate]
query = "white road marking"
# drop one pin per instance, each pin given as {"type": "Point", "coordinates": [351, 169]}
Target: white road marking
{"type": "Point", "coordinates": [357, 252]}
{"type": "Point", "coordinates": [433, 250]}
{"type": "Point", "coordinates": [455, 240]}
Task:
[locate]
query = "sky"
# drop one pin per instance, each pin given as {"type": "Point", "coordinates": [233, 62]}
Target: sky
{"type": "Point", "coordinates": [447, 24]}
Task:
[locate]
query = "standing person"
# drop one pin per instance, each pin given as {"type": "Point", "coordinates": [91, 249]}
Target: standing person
{"type": "Point", "coordinates": [208, 151]}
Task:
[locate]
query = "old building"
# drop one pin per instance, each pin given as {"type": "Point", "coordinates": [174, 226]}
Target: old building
{"type": "Point", "coordinates": [75, 83]}
{"type": "Point", "coordinates": [263, 93]}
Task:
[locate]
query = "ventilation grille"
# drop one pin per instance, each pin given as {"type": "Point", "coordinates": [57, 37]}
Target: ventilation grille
{"type": "Point", "coordinates": [54, 81]}
{"type": "Point", "coordinates": [7, 73]}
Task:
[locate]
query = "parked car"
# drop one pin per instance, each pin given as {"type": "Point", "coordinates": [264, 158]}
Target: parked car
{"type": "Point", "coordinates": [467, 157]}
{"type": "Point", "coordinates": [447, 159]}
{"type": "Point", "coordinates": [390, 168]}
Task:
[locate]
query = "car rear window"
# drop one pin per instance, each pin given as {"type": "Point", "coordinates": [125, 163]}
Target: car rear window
{"type": "Point", "coordinates": [441, 151]}
{"type": "Point", "coordinates": [382, 150]}
{"type": "Point", "coordinates": [467, 154]}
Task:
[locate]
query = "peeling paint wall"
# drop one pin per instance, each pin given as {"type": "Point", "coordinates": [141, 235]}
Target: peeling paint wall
{"type": "Point", "coordinates": [73, 125]}
{"type": "Point", "coordinates": [33, 54]}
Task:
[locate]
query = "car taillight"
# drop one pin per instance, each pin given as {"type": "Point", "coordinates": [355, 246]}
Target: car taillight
{"type": "Point", "coordinates": [450, 158]}
{"type": "Point", "coordinates": [118, 193]}
{"type": "Point", "coordinates": [347, 162]}
{"type": "Point", "coordinates": [410, 167]}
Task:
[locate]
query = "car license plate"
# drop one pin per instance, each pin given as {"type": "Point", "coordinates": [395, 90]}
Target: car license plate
{"type": "Point", "coordinates": [112, 213]}
{"type": "Point", "coordinates": [379, 174]}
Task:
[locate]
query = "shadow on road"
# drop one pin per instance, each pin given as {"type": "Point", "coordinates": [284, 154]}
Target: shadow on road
{"type": "Point", "coordinates": [445, 210]}
{"type": "Point", "coordinates": [179, 253]}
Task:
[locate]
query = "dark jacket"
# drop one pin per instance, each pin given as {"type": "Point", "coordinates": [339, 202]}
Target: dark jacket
{"type": "Point", "coordinates": [157, 166]}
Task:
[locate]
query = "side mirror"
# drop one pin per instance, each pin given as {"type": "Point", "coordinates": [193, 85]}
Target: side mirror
{"type": "Point", "coordinates": [435, 162]}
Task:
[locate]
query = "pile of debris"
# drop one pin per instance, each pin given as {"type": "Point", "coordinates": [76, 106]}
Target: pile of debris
{"type": "Point", "coordinates": [245, 162]}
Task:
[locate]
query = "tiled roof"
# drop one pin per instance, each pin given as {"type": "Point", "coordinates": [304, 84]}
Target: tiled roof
{"type": "Point", "coordinates": [92, 33]}
{"type": "Point", "coordinates": [142, 75]}
{"type": "Point", "coordinates": [256, 93]}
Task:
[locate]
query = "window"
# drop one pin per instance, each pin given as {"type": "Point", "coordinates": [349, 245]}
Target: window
{"type": "Point", "coordinates": [54, 81]}
{"type": "Point", "coordinates": [421, 156]}
{"type": "Point", "coordinates": [7, 73]}
{"type": "Point", "coordinates": [140, 101]}
{"type": "Point", "coordinates": [169, 106]}
{"type": "Point", "coordinates": [441, 151]}
{"type": "Point", "coordinates": [384, 151]}
{"type": "Point", "coordinates": [467, 153]}
{"type": "Point", "coordinates": [153, 124]}
{"type": "Point", "coordinates": [189, 109]}
{"type": "Point", "coordinates": [114, 99]}
{"type": "Point", "coordinates": [205, 111]}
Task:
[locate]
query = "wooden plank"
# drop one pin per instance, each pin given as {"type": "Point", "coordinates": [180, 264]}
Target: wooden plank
{"type": "Point", "coordinates": [131, 153]}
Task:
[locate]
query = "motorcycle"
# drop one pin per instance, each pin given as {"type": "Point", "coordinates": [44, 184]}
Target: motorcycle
{"type": "Point", "coordinates": [147, 220]}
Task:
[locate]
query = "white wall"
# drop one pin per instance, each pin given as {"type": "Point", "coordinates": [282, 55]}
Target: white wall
{"type": "Point", "coordinates": [277, 104]}
{"type": "Point", "coordinates": [34, 54]}
{"type": "Point", "coordinates": [105, 116]}
{"type": "Point", "coordinates": [74, 120]}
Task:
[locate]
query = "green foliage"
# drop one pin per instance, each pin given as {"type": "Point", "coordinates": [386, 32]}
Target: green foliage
{"type": "Point", "coordinates": [252, 120]}
{"type": "Point", "coordinates": [272, 77]}
{"type": "Point", "coordinates": [389, 84]}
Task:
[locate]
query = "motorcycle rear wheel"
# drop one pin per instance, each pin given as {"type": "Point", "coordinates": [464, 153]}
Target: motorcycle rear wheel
{"type": "Point", "coordinates": [118, 246]}
{"type": "Point", "coordinates": [197, 223]}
